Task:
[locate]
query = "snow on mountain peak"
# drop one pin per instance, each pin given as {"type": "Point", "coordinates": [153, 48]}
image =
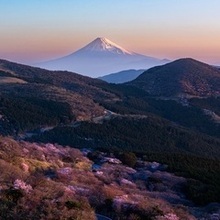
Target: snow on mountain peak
{"type": "Point", "coordinates": [101, 44]}
{"type": "Point", "coordinates": [100, 57]}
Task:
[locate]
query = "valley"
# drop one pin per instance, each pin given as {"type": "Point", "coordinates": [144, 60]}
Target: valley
{"type": "Point", "coordinates": [141, 124]}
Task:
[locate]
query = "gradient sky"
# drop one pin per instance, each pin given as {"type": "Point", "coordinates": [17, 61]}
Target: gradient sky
{"type": "Point", "coordinates": [37, 30]}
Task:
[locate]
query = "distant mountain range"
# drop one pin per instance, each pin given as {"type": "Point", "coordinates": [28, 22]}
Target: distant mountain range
{"type": "Point", "coordinates": [122, 76]}
{"type": "Point", "coordinates": [101, 57]}
{"type": "Point", "coordinates": [181, 78]}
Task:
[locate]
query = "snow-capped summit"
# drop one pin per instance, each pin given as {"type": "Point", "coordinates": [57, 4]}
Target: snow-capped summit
{"type": "Point", "coordinates": [101, 57]}
{"type": "Point", "coordinates": [103, 44]}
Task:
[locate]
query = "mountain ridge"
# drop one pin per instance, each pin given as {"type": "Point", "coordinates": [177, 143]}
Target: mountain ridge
{"type": "Point", "coordinates": [32, 93]}
{"type": "Point", "coordinates": [184, 77]}
{"type": "Point", "coordinates": [122, 76]}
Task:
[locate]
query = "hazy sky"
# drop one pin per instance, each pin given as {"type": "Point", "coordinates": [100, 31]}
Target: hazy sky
{"type": "Point", "coordinates": [36, 30]}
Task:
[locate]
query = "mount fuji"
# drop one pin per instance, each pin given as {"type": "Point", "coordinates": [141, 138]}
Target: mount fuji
{"type": "Point", "coordinates": [101, 57]}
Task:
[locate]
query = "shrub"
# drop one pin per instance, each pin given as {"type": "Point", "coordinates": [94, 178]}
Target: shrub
{"type": "Point", "coordinates": [128, 158]}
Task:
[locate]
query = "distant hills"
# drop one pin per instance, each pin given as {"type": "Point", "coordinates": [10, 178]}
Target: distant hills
{"type": "Point", "coordinates": [101, 57]}
{"type": "Point", "coordinates": [122, 76]}
{"type": "Point", "coordinates": [181, 78]}
{"type": "Point", "coordinates": [33, 97]}
{"type": "Point", "coordinates": [83, 98]}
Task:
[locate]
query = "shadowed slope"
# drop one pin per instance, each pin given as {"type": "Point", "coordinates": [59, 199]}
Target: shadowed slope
{"type": "Point", "coordinates": [183, 77]}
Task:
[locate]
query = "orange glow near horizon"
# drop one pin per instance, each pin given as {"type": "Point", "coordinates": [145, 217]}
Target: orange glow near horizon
{"type": "Point", "coordinates": [33, 31]}
{"type": "Point", "coordinates": [46, 46]}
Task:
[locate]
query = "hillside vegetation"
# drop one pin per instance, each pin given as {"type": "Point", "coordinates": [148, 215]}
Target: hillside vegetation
{"type": "Point", "coordinates": [46, 181]}
{"type": "Point", "coordinates": [190, 154]}
{"type": "Point", "coordinates": [183, 77]}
